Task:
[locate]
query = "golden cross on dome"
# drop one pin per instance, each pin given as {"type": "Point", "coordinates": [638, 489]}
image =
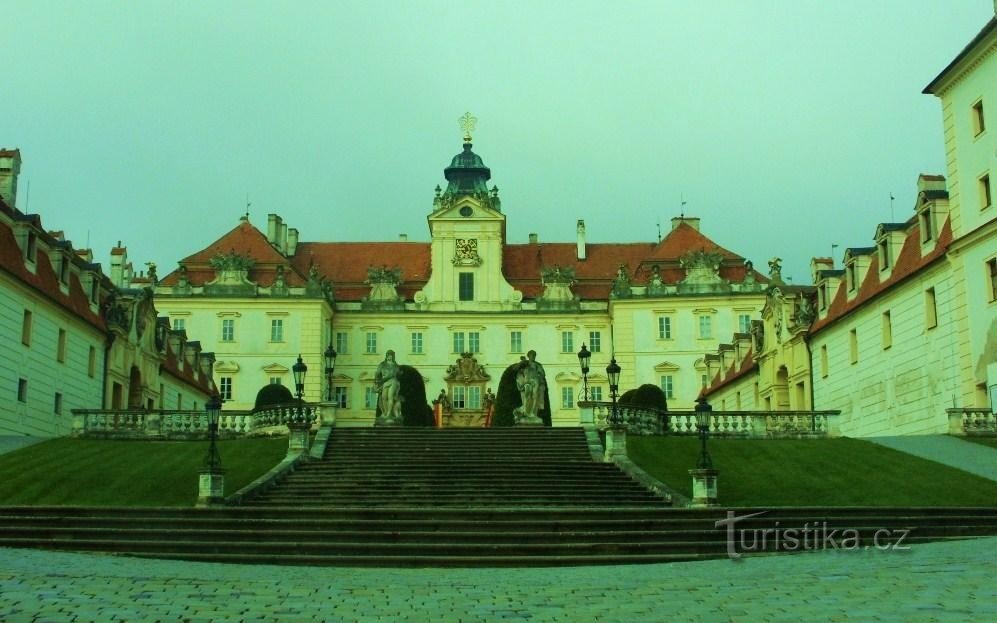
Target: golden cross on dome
{"type": "Point", "coordinates": [468, 124]}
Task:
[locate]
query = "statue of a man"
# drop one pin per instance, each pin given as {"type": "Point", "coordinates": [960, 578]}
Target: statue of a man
{"type": "Point", "coordinates": [531, 380]}
{"type": "Point", "coordinates": [388, 387]}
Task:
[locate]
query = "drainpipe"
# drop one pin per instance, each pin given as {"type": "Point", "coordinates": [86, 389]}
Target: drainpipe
{"type": "Point", "coordinates": [810, 358]}
{"type": "Point", "coordinates": [107, 357]}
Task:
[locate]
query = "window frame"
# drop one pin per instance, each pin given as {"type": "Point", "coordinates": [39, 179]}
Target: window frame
{"type": "Point", "coordinates": [225, 388]}
{"type": "Point", "coordinates": [567, 341]}
{"type": "Point", "coordinates": [465, 286]}
{"type": "Point", "coordinates": [416, 342]}
{"type": "Point", "coordinates": [930, 308]}
{"type": "Point", "coordinates": [276, 329]}
{"type": "Point", "coordinates": [978, 118]}
{"type": "Point", "coordinates": [664, 327]}
{"type": "Point", "coordinates": [228, 330]}
{"type": "Point", "coordinates": [27, 323]}
{"type": "Point", "coordinates": [595, 341]}
{"type": "Point", "coordinates": [370, 343]}
{"type": "Point", "coordinates": [515, 341]}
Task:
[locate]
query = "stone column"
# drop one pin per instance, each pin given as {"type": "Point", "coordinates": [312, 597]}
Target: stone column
{"type": "Point", "coordinates": [211, 487]}
{"type": "Point", "coordinates": [704, 487]}
{"type": "Point", "coordinates": [616, 443]}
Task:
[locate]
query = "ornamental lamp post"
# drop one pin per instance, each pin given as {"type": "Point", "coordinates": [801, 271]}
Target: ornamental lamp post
{"type": "Point", "coordinates": [584, 357]}
{"type": "Point", "coordinates": [299, 370]}
{"type": "Point", "coordinates": [211, 484]}
{"type": "Point", "coordinates": [704, 477]}
{"type": "Point", "coordinates": [330, 366]}
{"type": "Point", "coordinates": [616, 434]}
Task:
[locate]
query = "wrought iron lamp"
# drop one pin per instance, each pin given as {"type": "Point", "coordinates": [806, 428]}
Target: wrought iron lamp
{"type": "Point", "coordinates": [299, 370]}
{"type": "Point", "coordinates": [613, 372]}
{"type": "Point", "coordinates": [213, 462]}
{"type": "Point", "coordinates": [703, 413]}
{"type": "Point", "coordinates": [330, 366]}
{"type": "Point", "coordinates": [584, 357]}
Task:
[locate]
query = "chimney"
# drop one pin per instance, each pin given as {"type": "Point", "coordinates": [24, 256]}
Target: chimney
{"type": "Point", "coordinates": [292, 241]}
{"type": "Point", "coordinates": [581, 239]}
{"type": "Point", "coordinates": [930, 182]}
{"type": "Point", "coordinates": [534, 239]}
{"type": "Point", "coordinates": [119, 265]}
{"type": "Point", "coordinates": [10, 167]}
{"type": "Point", "coordinates": [273, 227]}
{"type": "Point", "coordinates": [402, 237]}
{"type": "Point", "coordinates": [818, 264]}
{"type": "Point", "coordinates": [691, 221]}
{"type": "Point", "coordinates": [282, 238]}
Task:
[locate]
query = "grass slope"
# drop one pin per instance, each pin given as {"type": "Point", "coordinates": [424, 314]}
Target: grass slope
{"type": "Point", "coordinates": [819, 472]}
{"type": "Point", "coordinates": [983, 441]}
{"type": "Point", "coordinates": [91, 472]}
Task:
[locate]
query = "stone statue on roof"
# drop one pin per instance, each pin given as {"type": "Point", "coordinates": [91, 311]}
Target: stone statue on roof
{"type": "Point", "coordinates": [621, 284]}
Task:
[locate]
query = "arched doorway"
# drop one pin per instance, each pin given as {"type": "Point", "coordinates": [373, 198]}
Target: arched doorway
{"type": "Point", "coordinates": [780, 390]}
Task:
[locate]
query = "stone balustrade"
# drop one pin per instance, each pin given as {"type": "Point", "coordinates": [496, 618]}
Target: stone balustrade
{"type": "Point", "coordinates": [748, 424]}
{"type": "Point", "coordinates": [972, 421]}
{"type": "Point", "coordinates": [173, 424]}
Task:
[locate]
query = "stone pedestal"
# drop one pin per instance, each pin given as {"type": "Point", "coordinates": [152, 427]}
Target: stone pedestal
{"type": "Point", "coordinates": [327, 414]}
{"type": "Point", "coordinates": [704, 487]}
{"type": "Point", "coordinates": [211, 487]}
{"type": "Point", "coordinates": [616, 443]}
{"type": "Point", "coordinates": [297, 442]}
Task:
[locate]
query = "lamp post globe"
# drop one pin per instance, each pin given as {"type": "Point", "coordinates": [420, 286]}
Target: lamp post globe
{"type": "Point", "coordinates": [299, 370]}
{"type": "Point", "coordinates": [703, 413]}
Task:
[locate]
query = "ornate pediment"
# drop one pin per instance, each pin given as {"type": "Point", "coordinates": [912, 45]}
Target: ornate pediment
{"type": "Point", "coordinates": [467, 370]}
{"type": "Point", "coordinates": [231, 275]}
{"type": "Point", "coordinates": [702, 272]}
{"type": "Point", "coordinates": [383, 282]}
{"type": "Point", "coordinates": [557, 284]}
{"type": "Point", "coordinates": [466, 252]}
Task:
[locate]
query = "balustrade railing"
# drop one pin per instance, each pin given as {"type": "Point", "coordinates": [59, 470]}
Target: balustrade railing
{"type": "Point", "coordinates": [174, 424]}
{"type": "Point", "coordinates": [972, 421]}
{"type": "Point", "coordinates": [646, 421]}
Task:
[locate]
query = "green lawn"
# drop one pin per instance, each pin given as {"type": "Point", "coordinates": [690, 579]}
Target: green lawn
{"type": "Point", "coordinates": [818, 472]}
{"type": "Point", "coordinates": [983, 441]}
{"type": "Point", "coordinates": [127, 473]}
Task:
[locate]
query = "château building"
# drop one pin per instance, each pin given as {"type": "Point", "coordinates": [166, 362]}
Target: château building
{"type": "Point", "coordinates": [469, 299]}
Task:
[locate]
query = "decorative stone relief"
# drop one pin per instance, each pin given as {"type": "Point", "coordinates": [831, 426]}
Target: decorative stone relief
{"type": "Point", "coordinates": [757, 336]}
{"type": "Point", "coordinates": [183, 283]}
{"type": "Point", "coordinates": [467, 370]}
{"type": "Point", "coordinates": [655, 285]}
{"type": "Point", "coordinates": [775, 270]}
{"type": "Point", "coordinates": [557, 292]}
{"type": "Point", "coordinates": [279, 286]}
{"type": "Point", "coordinates": [383, 282]}
{"type": "Point", "coordinates": [621, 284]}
{"type": "Point", "coordinates": [317, 285]}
{"type": "Point", "coordinates": [702, 272]}
{"type": "Point", "coordinates": [231, 276]}
{"type": "Point", "coordinates": [466, 252]}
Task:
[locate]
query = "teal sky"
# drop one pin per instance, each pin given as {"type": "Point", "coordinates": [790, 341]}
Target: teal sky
{"type": "Point", "coordinates": [785, 125]}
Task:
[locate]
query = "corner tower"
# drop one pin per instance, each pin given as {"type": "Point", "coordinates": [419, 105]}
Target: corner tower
{"type": "Point", "coordinates": [467, 228]}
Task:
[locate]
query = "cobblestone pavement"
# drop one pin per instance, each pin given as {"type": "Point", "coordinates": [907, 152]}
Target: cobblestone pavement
{"type": "Point", "coordinates": [931, 582]}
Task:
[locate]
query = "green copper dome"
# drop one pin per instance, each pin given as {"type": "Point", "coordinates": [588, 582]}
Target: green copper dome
{"type": "Point", "coordinates": [466, 174]}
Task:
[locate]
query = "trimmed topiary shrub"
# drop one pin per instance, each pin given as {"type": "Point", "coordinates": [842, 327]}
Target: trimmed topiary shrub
{"type": "Point", "coordinates": [647, 395]}
{"type": "Point", "coordinates": [415, 408]}
{"type": "Point", "coordinates": [273, 394]}
{"type": "Point", "coordinates": [507, 400]}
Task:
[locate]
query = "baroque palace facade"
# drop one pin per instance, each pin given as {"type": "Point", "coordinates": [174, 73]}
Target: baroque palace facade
{"type": "Point", "coordinates": [906, 329]}
{"type": "Point", "coordinates": [71, 339]}
{"type": "Point", "coordinates": [460, 308]}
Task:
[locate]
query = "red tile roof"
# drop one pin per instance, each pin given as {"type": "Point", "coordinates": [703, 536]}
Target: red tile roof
{"type": "Point", "coordinates": [908, 263]}
{"type": "Point", "coordinates": [733, 373]}
{"type": "Point", "coordinates": [44, 280]}
{"type": "Point", "coordinates": [9, 153]}
{"type": "Point", "coordinates": [345, 264]}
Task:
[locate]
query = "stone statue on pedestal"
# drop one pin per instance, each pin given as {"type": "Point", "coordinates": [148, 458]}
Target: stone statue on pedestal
{"type": "Point", "coordinates": [531, 380]}
{"type": "Point", "coordinates": [389, 389]}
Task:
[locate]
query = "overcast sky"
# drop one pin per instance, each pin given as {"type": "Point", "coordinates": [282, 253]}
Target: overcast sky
{"type": "Point", "coordinates": [785, 125]}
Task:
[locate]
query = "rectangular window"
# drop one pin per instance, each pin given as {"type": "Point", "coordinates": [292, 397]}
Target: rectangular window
{"type": "Point", "coordinates": [668, 386]}
{"type": "Point", "coordinates": [276, 330]}
{"type": "Point", "coordinates": [465, 287]}
{"type": "Point", "coordinates": [887, 330]}
{"type": "Point", "coordinates": [275, 380]}
{"type": "Point", "coordinates": [850, 276]}
{"type": "Point", "coordinates": [567, 397]}
{"type": "Point", "coordinates": [26, 328]}
{"type": "Point", "coordinates": [339, 396]}
{"type": "Point", "coordinates": [64, 269]}
{"type": "Point", "coordinates": [853, 345]}
{"type": "Point", "coordinates": [884, 254]}
{"type": "Point", "coordinates": [60, 351]}
{"type": "Point", "coordinates": [370, 345]}
{"type": "Point", "coordinates": [458, 342]}
{"type": "Point", "coordinates": [94, 289]}
{"type": "Point", "coordinates": [416, 342]}
{"type": "Point", "coordinates": [92, 362]}
{"type": "Point", "coordinates": [458, 397]}
{"type": "Point", "coordinates": [664, 327]}
{"type": "Point", "coordinates": [473, 342]}
{"type": "Point", "coordinates": [823, 360]}
{"type": "Point", "coordinates": [706, 327]}
{"type": "Point", "coordinates": [225, 387]}
{"type": "Point", "coordinates": [992, 272]}
{"type": "Point", "coordinates": [32, 251]}
{"type": "Point", "coordinates": [369, 397]}
{"type": "Point", "coordinates": [930, 309]}
{"type": "Point", "coordinates": [567, 342]}
{"type": "Point", "coordinates": [927, 232]}
{"type": "Point", "coordinates": [744, 323]}
{"type": "Point", "coordinates": [58, 403]}
{"type": "Point", "coordinates": [342, 343]}
{"type": "Point", "coordinates": [473, 397]}
{"type": "Point", "coordinates": [516, 341]}
{"type": "Point", "coordinates": [228, 330]}
{"type": "Point", "coordinates": [979, 124]}
{"type": "Point", "coordinates": [179, 324]}
{"type": "Point", "coordinates": [986, 199]}
{"type": "Point", "coordinates": [595, 393]}
{"type": "Point", "coordinates": [595, 342]}
{"type": "Point", "coordinates": [22, 390]}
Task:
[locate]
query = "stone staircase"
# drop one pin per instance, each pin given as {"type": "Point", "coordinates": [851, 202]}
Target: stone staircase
{"type": "Point", "coordinates": [473, 497]}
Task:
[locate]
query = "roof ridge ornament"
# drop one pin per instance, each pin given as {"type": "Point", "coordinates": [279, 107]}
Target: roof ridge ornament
{"type": "Point", "coordinates": [468, 124]}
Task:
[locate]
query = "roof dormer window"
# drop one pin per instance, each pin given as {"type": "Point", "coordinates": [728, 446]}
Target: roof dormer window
{"type": "Point", "coordinates": [850, 276]}
{"type": "Point", "coordinates": [927, 229]}
{"type": "Point", "coordinates": [64, 270]}
{"type": "Point", "coordinates": [883, 248]}
{"type": "Point", "coordinates": [31, 248]}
